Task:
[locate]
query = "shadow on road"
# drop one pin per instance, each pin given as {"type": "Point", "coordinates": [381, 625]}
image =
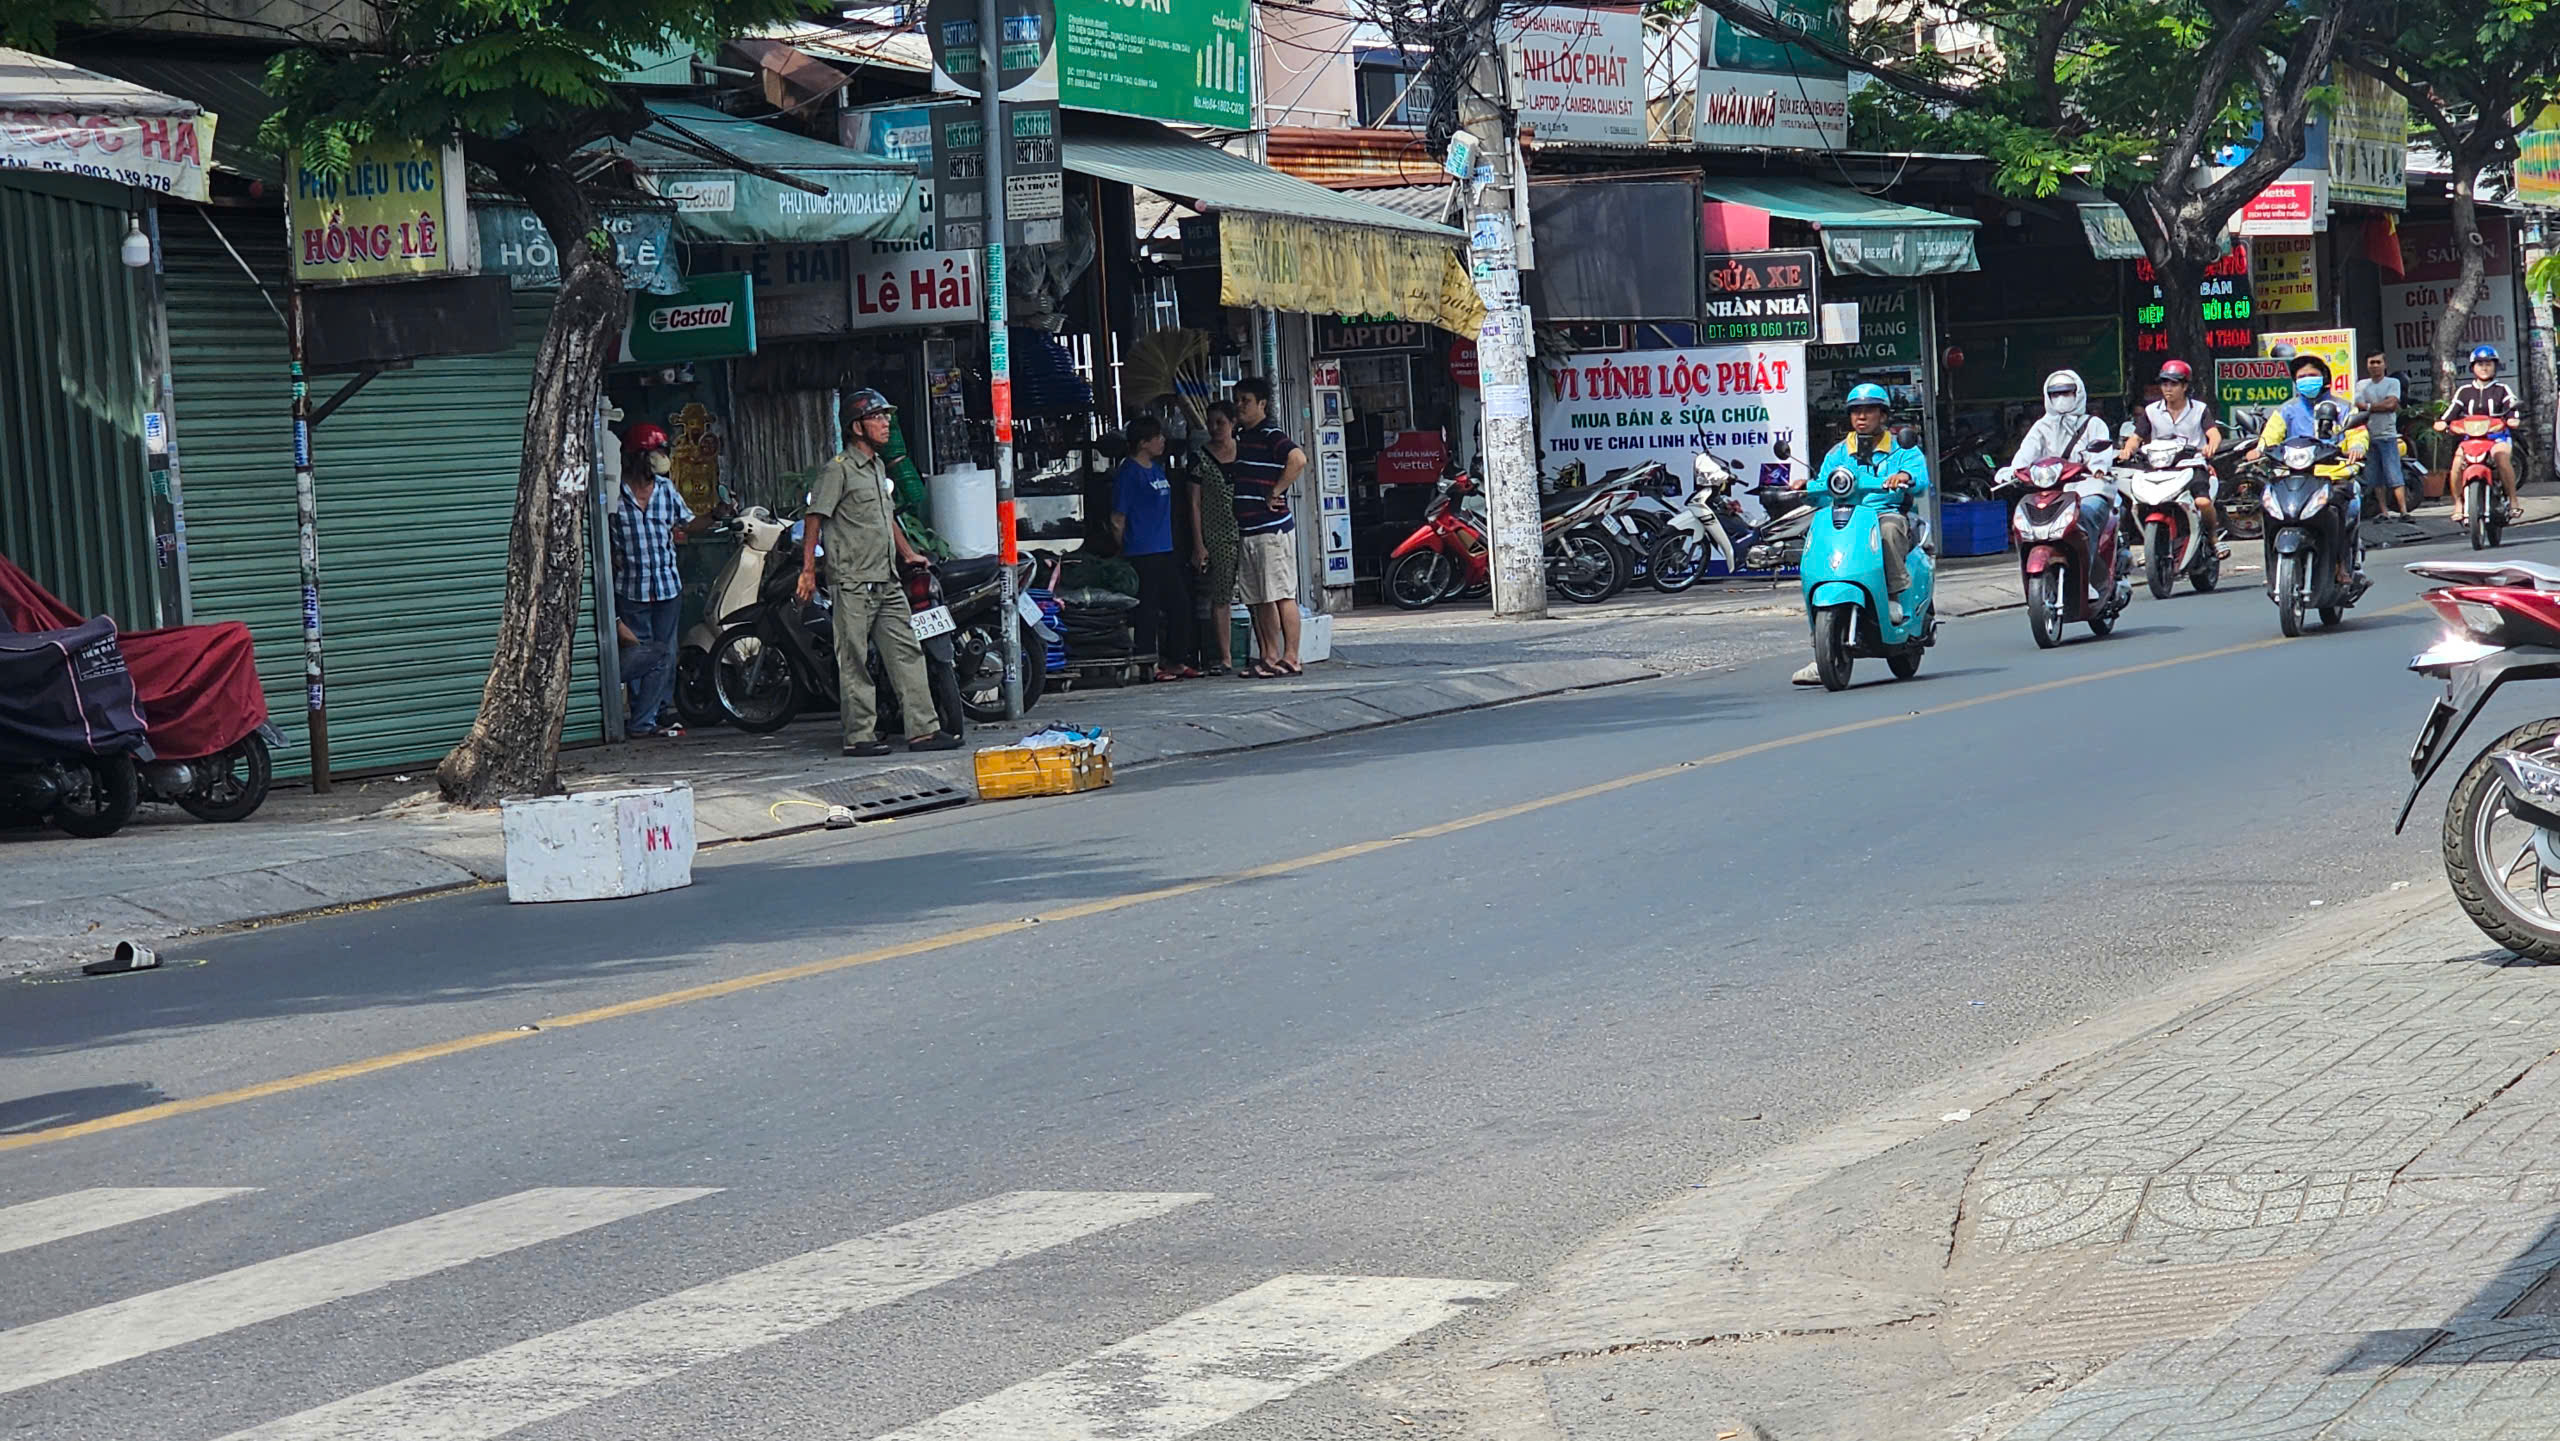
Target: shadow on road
{"type": "Point", "coordinates": [70, 1108]}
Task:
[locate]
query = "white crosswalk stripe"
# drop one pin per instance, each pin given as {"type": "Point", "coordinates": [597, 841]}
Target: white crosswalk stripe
{"type": "Point", "coordinates": [553, 1374]}
{"type": "Point", "coordinates": [76, 1213]}
{"type": "Point", "coordinates": [45, 1351]}
{"type": "Point", "coordinates": [1212, 1365]}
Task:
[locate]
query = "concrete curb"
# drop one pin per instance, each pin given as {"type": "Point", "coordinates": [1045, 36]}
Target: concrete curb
{"type": "Point", "coordinates": [46, 933]}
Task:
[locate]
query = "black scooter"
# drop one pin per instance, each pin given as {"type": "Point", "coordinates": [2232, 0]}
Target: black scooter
{"type": "Point", "coordinates": [2307, 505]}
{"type": "Point", "coordinates": [71, 733]}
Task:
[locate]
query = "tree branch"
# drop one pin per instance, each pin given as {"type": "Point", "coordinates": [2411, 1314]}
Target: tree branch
{"type": "Point", "coordinates": [1760, 23]}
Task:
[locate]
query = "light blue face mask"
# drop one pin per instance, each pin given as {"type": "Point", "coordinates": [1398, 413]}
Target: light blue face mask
{"type": "Point", "coordinates": [2308, 386]}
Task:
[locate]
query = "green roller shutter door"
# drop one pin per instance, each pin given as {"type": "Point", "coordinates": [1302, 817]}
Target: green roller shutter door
{"type": "Point", "coordinates": [75, 504]}
{"type": "Point", "coordinates": [416, 493]}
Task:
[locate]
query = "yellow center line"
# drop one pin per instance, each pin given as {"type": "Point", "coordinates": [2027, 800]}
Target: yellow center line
{"type": "Point", "coordinates": [1130, 900]}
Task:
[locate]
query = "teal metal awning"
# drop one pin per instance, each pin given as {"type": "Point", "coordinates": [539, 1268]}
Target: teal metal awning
{"type": "Point", "coordinates": [1861, 235]}
{"type": "Point", "coordinates": [1177, 167]}
{"type": "Point", "coordinates": [681, 152]}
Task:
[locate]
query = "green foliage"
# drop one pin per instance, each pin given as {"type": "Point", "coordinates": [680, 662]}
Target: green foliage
{"type": "Point", "coordinates": [2542, 277]}
{"type": "Point", "coordinates": [34, 24]}
{"type": "Point", "coordinates": [2482, 71]}
{"type": "Point", "coordinates": [540, 71]}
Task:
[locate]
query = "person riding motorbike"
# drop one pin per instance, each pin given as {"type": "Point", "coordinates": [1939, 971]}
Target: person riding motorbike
{"type": "Point", "coordinates": [2299, 419]}
{"type": "Point", "coordinates": [2176, 415]}
{"type": "Point", "coordinates": [2486, 395]}
{"type": "Point", "coordinates": [1870, 446]}
{"type": "Point", "coordinates": [2068, 431]}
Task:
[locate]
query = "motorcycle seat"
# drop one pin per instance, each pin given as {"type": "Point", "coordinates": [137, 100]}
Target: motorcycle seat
{"type": "Point", "coordinates": [969, 572]}
{"type": "Point", "coordinates": [1550, 507]}
{"type": "Point", "coordinates": [2510, 573]}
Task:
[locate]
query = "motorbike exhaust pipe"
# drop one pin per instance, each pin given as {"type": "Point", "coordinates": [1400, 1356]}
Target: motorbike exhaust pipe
{"type": "Point", "coordinates": [128, 956]}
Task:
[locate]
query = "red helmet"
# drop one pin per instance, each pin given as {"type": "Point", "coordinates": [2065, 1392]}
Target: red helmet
{"type": "Point", "coordinates": [644, 437]}
{"type": "Point", "coordinates": [2176, 370]}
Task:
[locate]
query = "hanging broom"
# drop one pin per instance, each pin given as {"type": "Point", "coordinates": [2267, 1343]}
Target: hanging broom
{"type": "Point", "coordinates": [1170, 364]}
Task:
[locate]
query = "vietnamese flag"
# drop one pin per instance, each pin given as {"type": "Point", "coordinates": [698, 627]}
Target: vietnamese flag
{"type": "Point", "coordinates": [2382, 244]}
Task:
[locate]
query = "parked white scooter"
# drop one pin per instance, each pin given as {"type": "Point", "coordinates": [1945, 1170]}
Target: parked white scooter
{"type": "Point", "coordinates": [1715, 525]}
{"type": "Point", "coordinates": [736, 588]}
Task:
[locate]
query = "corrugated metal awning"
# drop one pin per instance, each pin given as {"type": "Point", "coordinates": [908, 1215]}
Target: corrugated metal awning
{"type": "Point", "coordinates": [1861, 234]}
{"type": "Point", "coordinates": [1153, 157]}
{"type": "Point", "coordinates": [36, 82]}
{"type": "Point", "coordinates": [682, 151]}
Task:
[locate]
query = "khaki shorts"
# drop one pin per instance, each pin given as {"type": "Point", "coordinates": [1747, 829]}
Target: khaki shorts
{"type": "Point", "coordinates": [1267, 570]}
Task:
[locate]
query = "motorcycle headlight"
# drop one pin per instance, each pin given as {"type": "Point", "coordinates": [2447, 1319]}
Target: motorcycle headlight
{"type": "Point", "coordinates": [1842, 483]}
{"type": "Point", "coordinates": [2319, 497]}
{"type": "Point", "coordinates": [2300, 457]}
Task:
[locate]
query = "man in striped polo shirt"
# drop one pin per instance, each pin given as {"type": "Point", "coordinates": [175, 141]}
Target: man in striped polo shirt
{"type": "Point", "coordinates": [1266, 467]}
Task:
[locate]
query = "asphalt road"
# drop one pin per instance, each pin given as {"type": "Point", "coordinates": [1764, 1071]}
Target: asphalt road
{"type": "Point", "coordinates": [1421, 1007]}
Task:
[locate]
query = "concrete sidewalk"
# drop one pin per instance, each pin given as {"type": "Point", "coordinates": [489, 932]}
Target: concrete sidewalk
{"type": "Point", "coordinates": [2325, 1206]}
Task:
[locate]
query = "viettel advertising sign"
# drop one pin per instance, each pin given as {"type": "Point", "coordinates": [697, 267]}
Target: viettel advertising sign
{"type": "Point", "coordinates": [1179, 60]}
{"type": "Point", "coordinates": [399, 210]}
{"type": "Point", "coordinates": [712, 318]}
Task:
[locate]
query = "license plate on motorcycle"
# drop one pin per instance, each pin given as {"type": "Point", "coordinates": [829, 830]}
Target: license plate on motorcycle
{"type": "Point", "coordinates": [931, 623]}
{"type": "Point", "coordinates": [2430, 735]}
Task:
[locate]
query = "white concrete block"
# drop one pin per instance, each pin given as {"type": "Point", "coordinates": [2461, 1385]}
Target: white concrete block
{"type": "Point", "coordinates": [597, 845]}
{"type": "Point", "coordinates": [1315, 637]}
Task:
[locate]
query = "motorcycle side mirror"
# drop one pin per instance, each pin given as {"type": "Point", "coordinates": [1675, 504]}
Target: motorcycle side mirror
{"type": "Point", "coordinates": [1783, 451]}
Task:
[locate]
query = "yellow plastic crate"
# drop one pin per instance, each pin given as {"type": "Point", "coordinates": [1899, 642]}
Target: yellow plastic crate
{"type": "Point", "coordinates": [1008, 772]}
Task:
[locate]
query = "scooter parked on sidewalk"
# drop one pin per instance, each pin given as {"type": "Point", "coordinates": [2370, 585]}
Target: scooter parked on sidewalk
{"type": "Point", "coordinates": [1845, 600]}
{"type": "Point", "coordinates": [2162, 489]}
{"type": "Point", "coordinates": [2070, 574]}
{"type": "Point", "coordinates": [2310, 527]}
{"type": "Point", "coordinates": [71, 730]}
{"type": "Point", "coordinates": [2475, 476]}
{"type": "Point", "coordinates": [732, 592]}
{"type": "Point", "coordinates": [1447, 554]}
{"type": "Point", "coordinates": [1714, 526]}
{"type": "Point", "coordinates": [2501, 837]}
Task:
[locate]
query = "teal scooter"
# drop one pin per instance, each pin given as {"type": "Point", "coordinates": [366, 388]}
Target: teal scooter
{"type": "Point", "coordinates": [1844, 589]}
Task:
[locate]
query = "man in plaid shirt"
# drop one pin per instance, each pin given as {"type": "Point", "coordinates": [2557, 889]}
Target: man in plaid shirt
{"type": "Point", "coordinates": [647, 588]}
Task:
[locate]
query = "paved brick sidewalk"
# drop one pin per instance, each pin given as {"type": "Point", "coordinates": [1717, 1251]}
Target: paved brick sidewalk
{"type": "Point", "coordinates": [2326, 1206]}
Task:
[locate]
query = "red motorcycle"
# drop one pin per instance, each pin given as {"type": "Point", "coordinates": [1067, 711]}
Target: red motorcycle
{"type": "Point", "coordinates": [2070, 574]}
{"type": "Point", "coordinates": [2475, 476]}
{"type": "Point", "coordinates": [1446, 556]}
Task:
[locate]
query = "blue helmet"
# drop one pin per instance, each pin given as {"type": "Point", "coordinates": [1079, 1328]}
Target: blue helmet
{"type": "Point", "coordinates": [1869, 394]}
{"type": "Point", "coordinates": [2488, 353]}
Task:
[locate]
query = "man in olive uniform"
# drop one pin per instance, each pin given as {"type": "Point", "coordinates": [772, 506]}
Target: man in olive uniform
{"type": "Point", "coordinates": [853, 513]}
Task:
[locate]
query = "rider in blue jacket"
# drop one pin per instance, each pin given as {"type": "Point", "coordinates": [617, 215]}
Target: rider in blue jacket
{"type": "Point", "coordinates": [1871, 446]}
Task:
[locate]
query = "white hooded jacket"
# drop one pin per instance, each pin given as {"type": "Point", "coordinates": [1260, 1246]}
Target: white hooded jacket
{"type": "Point", "coordinates": [2068, 431]}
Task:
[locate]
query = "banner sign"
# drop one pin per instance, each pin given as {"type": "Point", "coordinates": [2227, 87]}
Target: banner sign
{"type": "Point", "coordinates": [2286, 271]}
{"type": "Point", "coordinates": [1759, 295]}
{"type": "Point", "coordinates": [2368, 143]}
{"type": "Point", "coordinates": [2251, 384]}
{"type": "Point", "coordinates": [1900, 250]}
{"type": "Point", "coordinates": [2110, 232]}
{"type": "Point", "coordinates": [2298, 204]}
{"type": "Point", "coordinates": [2414, 305]}
{"type": "Point", "coordinates": [928, 287]}
{"type": "Point", "coordinates": [164, 154]}
{"type": "Point", "coordinates": [1306, 265]}
{"type": "Point", "coordinates": [1582, 73]}
{"type": "Point", "coordinates": [1186, 61]}
{"type": "Point", "coordinates": [1336, 335]}
{"type": "Point", "coordinates": [712, 318]}
{"type": "Point", "coordinates": [399, 210]}
{"type": "Point", "coordinates": [514, 243]}
{"type": "Point", "coordinates": [2337, 347]}
{"type": "Point", "coordinates": [2537, 160]}
{"type": "Point", "coordinates": [1754, 92]}
{"type": "Point", "coordinates": [1614, 411]}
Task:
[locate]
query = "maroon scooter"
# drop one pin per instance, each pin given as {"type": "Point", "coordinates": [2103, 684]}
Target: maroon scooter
{"type": "Point", "coordinates": [2070, 574]}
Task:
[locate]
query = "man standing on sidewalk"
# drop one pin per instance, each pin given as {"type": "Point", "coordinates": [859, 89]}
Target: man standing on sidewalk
{"type": "Point", "coordinates": [1267, 466]}
{"type": "Point", "coordinates": [2378, 396]}
{"type": "Point", "coordinates": [853, 512]}
{"type": "Point", "coordinates": [648, 590]}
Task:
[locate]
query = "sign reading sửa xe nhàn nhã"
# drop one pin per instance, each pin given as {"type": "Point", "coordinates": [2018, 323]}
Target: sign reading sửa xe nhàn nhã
{"type": "Point", "coordinates": [1758, 295]}
{"type": "Point", "coordinates": [712, 318]}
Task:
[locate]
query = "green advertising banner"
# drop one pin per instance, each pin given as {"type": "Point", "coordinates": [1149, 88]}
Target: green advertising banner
{"type": "Point", "coordinates": [712, 318]}
{"type": "Point", "coordinates": [1178, 60]}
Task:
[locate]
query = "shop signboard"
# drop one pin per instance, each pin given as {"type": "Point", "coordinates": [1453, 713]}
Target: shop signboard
{"type": "Point", "coordinates": [928, 287]}
{"type": "Point", "coordinates": [2298, 204]}
{"type": "Point", "coordinates": [398, 211]}
{"type": "Point", "coordinates": [2251, 384]}
{"type": "Point", "coordinates": [1888, 326]}
{"type": "Point", "coordinates": [1758, 93]}
{"type": "Point", "coordinates": [163, 154]}
{"type": "Point", "coordinates": [1034, 193]}
{"type": "Point", "coordinates": [1610, 411]}
{"type": "Point", "coordinates": [2110, 232]}
{"type": "Point", "coordinates": [2336, 347]}
{"type": "Point", "coordinates": [2538, 160]}
{"type": "Point", "coordinates": [2414, 304]}
{"type": "Point", "coordinates": [1185, 61]}
{"type": "Point", "coordinates": [1414, 457]}
{"type": "Point", "coordinates": [2227, 306]}
{"type": "Point", "coordinates": [1333, 474]}
{"type": "Point", "coordinates": [712, 318]}
{"type": "Point", "coordinates": [2286, 272]}
{"type": "Point", "coordinates": [1761, 295]}
{"type": "Point", "coordinates": [1462, 364]}
{"type": "Point", "coordinates": [800, 290]}
{"type": "Point", "coordinates": [888, 132]}
{"type": "Point", "coordinates": [1349, 335]}
{"type": "Point", "coordinates": [1581, 73]}
{"type": "Point", "coordinates": [514, 243]}
{"type": "Point", "coordinates": [2368, 142]}
{"type": "Point", "coordinates": [1026, 51]}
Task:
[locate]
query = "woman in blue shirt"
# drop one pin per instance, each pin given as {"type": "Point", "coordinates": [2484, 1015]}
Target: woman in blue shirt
{"type": "Point", "coordinates": [1142, 519]}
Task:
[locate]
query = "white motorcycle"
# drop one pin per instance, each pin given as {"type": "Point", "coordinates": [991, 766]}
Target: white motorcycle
{"type": "Point", "coordinates": [735, 589]}
{"type": "Point", "coordinates": [1714, 525]}
{"type": "Point", "coordinates": [2161, 483]}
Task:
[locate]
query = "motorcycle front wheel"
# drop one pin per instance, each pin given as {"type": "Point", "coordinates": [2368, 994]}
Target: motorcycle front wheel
{"type": "Point", "coordinates": [2163, 559]}
{"type": "Point", "coordinates": [2289, 576]}
{"type": "Point", "coordinates": [980, 663]}
{"type": "Point", "coordinates": [2495, 860]}
{"type": "Point", "coordinates": [1419, 580]}
{"type": "Point", "coordinates": [2478, 495]}
{"type": "Point", "coordinates": [237, 785]}
{"type": "Point", "coordinates": [753, 680]}
{"type": "Point", "coordinates": [2044, 607]}
{"type": "Point", "coordinates": [1678, 561]}
{"type": "Point", "coordinates": [1587, 567]}
{"type": "Point", "coordinates": [1831, 658]}
{"type": "Point", "coordinates": [110, 791]}
{"type": "Point", "coordinates": [2208, 571]}
{"type": "Point", "coordinates": [697, 698]}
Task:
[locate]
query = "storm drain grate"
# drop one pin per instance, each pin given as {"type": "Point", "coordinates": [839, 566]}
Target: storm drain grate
{"type": "Point", "coordinates": [902, 791]}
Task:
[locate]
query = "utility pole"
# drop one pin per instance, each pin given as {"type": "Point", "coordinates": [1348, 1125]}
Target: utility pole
{"type": "Point", "coordinates": [1499, 248]}
{"type": "Point", "coordinates": [998, 137]}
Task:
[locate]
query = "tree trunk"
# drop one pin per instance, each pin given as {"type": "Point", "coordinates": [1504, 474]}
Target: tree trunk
{"type": "Point", "coordinates": [514, 745]}
{"type": "Point", "coordinates": [2181, 279]}
{"type": "Point", "coordinates": [2462, 300]}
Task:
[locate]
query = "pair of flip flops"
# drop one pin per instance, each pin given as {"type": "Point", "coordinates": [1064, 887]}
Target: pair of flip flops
{"type": "Point", "coordinates": [1264, 670]}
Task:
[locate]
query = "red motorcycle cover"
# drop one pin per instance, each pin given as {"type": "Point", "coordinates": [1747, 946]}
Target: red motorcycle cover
{"type": "Point", "coordinates": [198, 683]}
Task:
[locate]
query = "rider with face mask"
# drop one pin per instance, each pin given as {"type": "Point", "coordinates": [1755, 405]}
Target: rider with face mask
{"type": "Point", "coordinates": [2069, 431]}
{"type": "Point", "coordinates": [2301, 418]}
